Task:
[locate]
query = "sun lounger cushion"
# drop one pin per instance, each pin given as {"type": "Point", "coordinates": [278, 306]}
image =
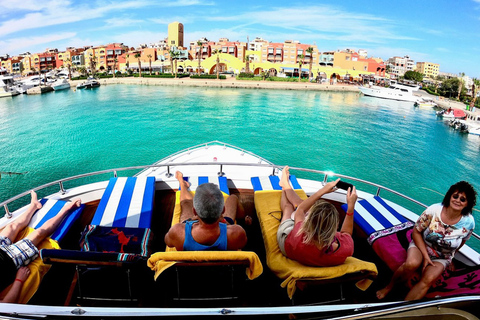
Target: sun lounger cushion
{"type": "Point", "coordinates": [267, 205]}
{"type": "Point", "coordinates": [123, 217]}
{"type": "Point", "coordinates": [160, 261]}
{"type": "Point", "coordinates": [37, 269]}
{"type": "Point", "coordinates": [272, 183]}
{"type": "Point", "coordinates": [51, 208]}
{"type": "Point", "coordinates": [388, 231]}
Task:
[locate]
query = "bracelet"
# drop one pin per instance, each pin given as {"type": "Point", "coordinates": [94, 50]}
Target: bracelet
{"type": "Point", "coordinates": [350, 214]}
{"type": "Point", "coordinates": [21, 281]}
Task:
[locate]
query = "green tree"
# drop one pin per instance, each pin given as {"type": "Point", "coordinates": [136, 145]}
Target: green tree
{"type": "Point", "coordinates": [300, 63]}
{"type": "Point", "coordinates": [137, 56]}
{"type": "Point", "coordinates": [310, 51]}
{"type": "Point", "coordinates": [115, 60]}
{"type": "Point", "coordinates": [68, 62]}
{"type": "Point", "coordinates": [413, 75]}
{"type": "Point", "coordinates": [247, 63]}
{"type": "Point", "coordinates": [127, 62]}
{"type": "Point", "coordinates": [475, 86]}
{"type": "Point", "coordinates": [199, 55]}
{"type": "Point", "coordinates": [93, 65]}
{"type": "Point", "coordinates": [174, 55]}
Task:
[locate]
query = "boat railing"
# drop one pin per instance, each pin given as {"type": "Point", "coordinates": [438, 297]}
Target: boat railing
{"type": "Point", "coordinates": [221, 165]}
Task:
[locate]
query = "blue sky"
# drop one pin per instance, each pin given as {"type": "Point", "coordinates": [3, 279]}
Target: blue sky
{"type": "Point", "coordinates": [441, 31]}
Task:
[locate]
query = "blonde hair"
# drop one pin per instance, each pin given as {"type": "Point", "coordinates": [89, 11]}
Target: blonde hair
{"type": "Point", "coordinates": [320, 224]}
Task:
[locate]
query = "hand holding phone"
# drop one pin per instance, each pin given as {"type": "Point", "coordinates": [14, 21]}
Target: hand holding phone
{"type": "Point", "coordinates": [344, 185]}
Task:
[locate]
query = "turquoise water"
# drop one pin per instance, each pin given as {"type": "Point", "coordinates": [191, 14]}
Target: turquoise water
{"type": "Point", "coordinates": [65, 133]}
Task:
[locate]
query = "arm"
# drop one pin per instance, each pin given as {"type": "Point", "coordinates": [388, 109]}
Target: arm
{"type": "Point", "coordinates": [176, 236]}
{"type": "Point", "coordinates": [418, 239]}
{"type": "Point", "coordinates": [14, 292]}
{"type": "Point", "coordinates": [347, 225]}
{"type": "Point", "coordinates": [308, 203]}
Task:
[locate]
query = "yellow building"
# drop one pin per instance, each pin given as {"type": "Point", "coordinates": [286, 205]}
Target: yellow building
{"type": "Point", "coordinates": [349, 60]}
{"type": "Point", "coordinates": [175, 34]}
{"type": "Point", "coordinates": [428, 69]}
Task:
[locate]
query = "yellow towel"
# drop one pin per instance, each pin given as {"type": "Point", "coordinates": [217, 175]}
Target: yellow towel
{"type": "Point", "coordinates": [160, 261]}
{"type": "Point", "coordinates": [37, 269]}
{"type": "Point", "coordinates": [267, 204]}
{"type": "Point", "coordinates": [177, 211]}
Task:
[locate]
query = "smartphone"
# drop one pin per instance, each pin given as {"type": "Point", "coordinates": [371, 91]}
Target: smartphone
{"type": "Point", "coordinates": [344, 185]}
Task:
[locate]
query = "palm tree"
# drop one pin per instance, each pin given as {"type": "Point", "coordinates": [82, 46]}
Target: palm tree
{"type": "Point", "coordinates": [460, 85]}
{"type": "Point", "coordinates": [217, 52]}
{"type": "Point", "coordinates": [174, 55]}
{"type": "Point", "coordinates": [310, 51]}
{"type": "Point", "coordinates": [247, 63]}
{"type": "Point", "coordinates": [199, 43]}
{"type": "Point", "coordinates": [69, 66]}
{"type": "Point", "coordinates": [138, 55]}
{"type": "Point", "coordinates": [126, 61]}
{"type": "Point", "coordinates": [150, 63]}
{"type": "Point", "coordinates": [475, 85]}
{"type": "Point", "coordinates": [115, 60]}
{"type": "Point", "coordinates": [300, 62]}
{"type": "Point", "coordinates": [93, 64]}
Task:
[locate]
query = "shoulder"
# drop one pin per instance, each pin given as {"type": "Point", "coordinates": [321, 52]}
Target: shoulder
{"type": "Point", "coordinates": [237, 237]}
{"type": "Point", "coordinates": [468, 222]}
{"type": "Point", "coordinates": [176, 232]}
{"type": "Point", "coordinates": [434, 209]}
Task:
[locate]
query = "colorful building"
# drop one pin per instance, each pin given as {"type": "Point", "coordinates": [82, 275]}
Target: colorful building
{"type": "Point", "coordinates": [428, 69]}
{"type": "Point", "coordinates": [175, 34]}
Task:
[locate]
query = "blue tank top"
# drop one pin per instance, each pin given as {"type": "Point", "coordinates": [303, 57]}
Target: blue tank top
{"type": "Point", "coordinates": [191, 245]}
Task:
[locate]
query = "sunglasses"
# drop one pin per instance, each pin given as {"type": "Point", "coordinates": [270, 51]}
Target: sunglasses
{"type": "Point", "coordinates": [462, 199]}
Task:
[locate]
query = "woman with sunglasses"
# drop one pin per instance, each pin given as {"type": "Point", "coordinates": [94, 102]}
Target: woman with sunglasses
{"type": "Point", "coordinates": [439, 233]}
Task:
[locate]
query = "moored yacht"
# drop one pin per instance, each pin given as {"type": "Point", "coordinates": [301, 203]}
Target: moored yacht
{"type": "Point", "coordinates": [395, 91]}
{"type": "Point", "coordinates": [90, 83]}
{"type": "Point", "coordinates": [61, 84]}
{"type": "Point", "coordinates": [7, 87]}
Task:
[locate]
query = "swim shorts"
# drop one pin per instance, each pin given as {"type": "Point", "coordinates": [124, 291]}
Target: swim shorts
{"type": "Point", "coordinates": [21, 252]}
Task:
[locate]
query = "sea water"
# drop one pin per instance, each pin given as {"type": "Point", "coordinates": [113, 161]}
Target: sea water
{"type": "Point", "coordinates": [60, 134]}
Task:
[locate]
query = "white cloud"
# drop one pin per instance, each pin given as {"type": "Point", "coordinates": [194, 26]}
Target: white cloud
{"type": "Point", "coordinates": [30, 43]}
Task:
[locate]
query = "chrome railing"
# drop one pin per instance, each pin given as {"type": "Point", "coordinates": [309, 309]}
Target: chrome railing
{"type": "Point", "coordinates": [221, 166]}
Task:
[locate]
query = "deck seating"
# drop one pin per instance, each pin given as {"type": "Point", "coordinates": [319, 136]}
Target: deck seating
{"type": "Point", "coordinates": [50, 207]}
{"type": "Point", "coordinates": [294, 274]}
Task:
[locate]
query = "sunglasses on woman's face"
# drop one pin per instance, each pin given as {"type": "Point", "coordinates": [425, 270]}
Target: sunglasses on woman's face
{"type": "Point", "coordinates": [462, 199]}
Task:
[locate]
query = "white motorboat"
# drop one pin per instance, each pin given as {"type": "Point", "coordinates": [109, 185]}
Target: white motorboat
{"type": "Point", "coordinates": [452, 114]}
{"type": "Point", "coordinates": [87, 284]}
{"type": "Point", "coordinates": [395, 91]}
{"type": "Point", "coordinates": [7, 87]}
{"type": "Point", "coordinates": [425, 104]}
{"type": "Point", "coordinates": [61, 84]}
{"type": "Point", "coordinates": [89, 84]}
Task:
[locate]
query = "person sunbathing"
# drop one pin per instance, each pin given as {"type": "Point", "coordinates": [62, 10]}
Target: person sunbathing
{"type": "Point", "coordinates": [207, 221]}
{"type": "Point", "coordinates": [308, 229]}
{"type": "Point", "coordinates": [14, 257]}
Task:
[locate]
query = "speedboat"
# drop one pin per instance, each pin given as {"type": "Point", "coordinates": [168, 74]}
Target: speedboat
{"type": "Point", "coordinates": [89, 84]}
{"type": "Point", "coordinates": [60, 84]}
{"type": "Point", "coordinates": [7, 87]}
{"type": "Point", "coordinates": [139, 277]}
{"type": "Point", "coordinates": [452, 114]}
{"type": "Point", "coordinates": [425, 104]}
{"type": "Point", "coordinates": [395, 91]}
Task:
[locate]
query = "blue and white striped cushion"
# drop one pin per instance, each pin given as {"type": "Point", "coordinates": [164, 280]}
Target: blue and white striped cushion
{"type": "Point", "coordinates": [221, 182]}
{"type": "Point", "coordinates": [272, 183]}
{"type": "Point", "coordinates": [51, 208]}
{"type": "Point", "coordinates": [374, 214]}
{"type": "Point", "coordinates": [126, 202]}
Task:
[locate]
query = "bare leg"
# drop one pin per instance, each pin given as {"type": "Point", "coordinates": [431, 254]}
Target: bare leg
{"type": "Point", "coordinates": [11, 231]}
{"type": "Point", "coordinates": [430, 274]}
{"type": "Point", "coordinates": [414, 260]}
{"type": "Point", "coordinates": [186, 198]}
{"type": "Point", "coordinates": [51, 225]}
{"type": "Point", "coordinates": [287, 207]}
{"type": "Point", "coordinates": [233, 207]}
{"type": "Point", "coordinates": [290, 194]}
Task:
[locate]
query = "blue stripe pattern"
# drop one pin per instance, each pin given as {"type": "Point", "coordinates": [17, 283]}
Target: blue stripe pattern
{"type": "Point", "coordinates": [221, 182]}
{"type": "Point", "coordinates": [97, 218]}
{"type": "Point", "coordinates": [272, 183]}
{"type": "Point", "coordinates": [65, 225]}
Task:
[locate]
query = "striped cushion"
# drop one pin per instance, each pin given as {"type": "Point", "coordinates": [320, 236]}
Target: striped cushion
{"type": "Point", "coordinates": [126, 202]}
{"type": "Point", "coordinates": [374, 214]}
{"type": "Point", "coordinates": [221, 182]}
{"type": "Point", "coordinates": [51, 208]}
{"type": "Point", "coordinates": [272, 183]}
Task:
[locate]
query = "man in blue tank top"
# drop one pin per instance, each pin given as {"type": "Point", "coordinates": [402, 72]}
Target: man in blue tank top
{"type": "Point", "coordinates": [207, 220]}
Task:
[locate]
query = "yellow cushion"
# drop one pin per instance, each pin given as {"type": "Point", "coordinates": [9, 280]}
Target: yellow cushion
{"type": "Point", "coordinates": [267, 204]}
{"type": "Point", "coordinates": [160, 261]}
{"type": "Point", "coordinates": [37, 269]}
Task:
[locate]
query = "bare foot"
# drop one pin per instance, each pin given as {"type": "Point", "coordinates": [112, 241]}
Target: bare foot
{"type": "Point", "coordinates": [181, 181]}
{"type": "Point", "coordinates": [285, 179]}
{"type": "Point", "coordinates": [383, 293]}
{"type": "Point", "coordinates": [248, 220]}
{"type": "Point", "coordinates": [34, 200]}
{"type": "Point", "coordinates": [75, 203]}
